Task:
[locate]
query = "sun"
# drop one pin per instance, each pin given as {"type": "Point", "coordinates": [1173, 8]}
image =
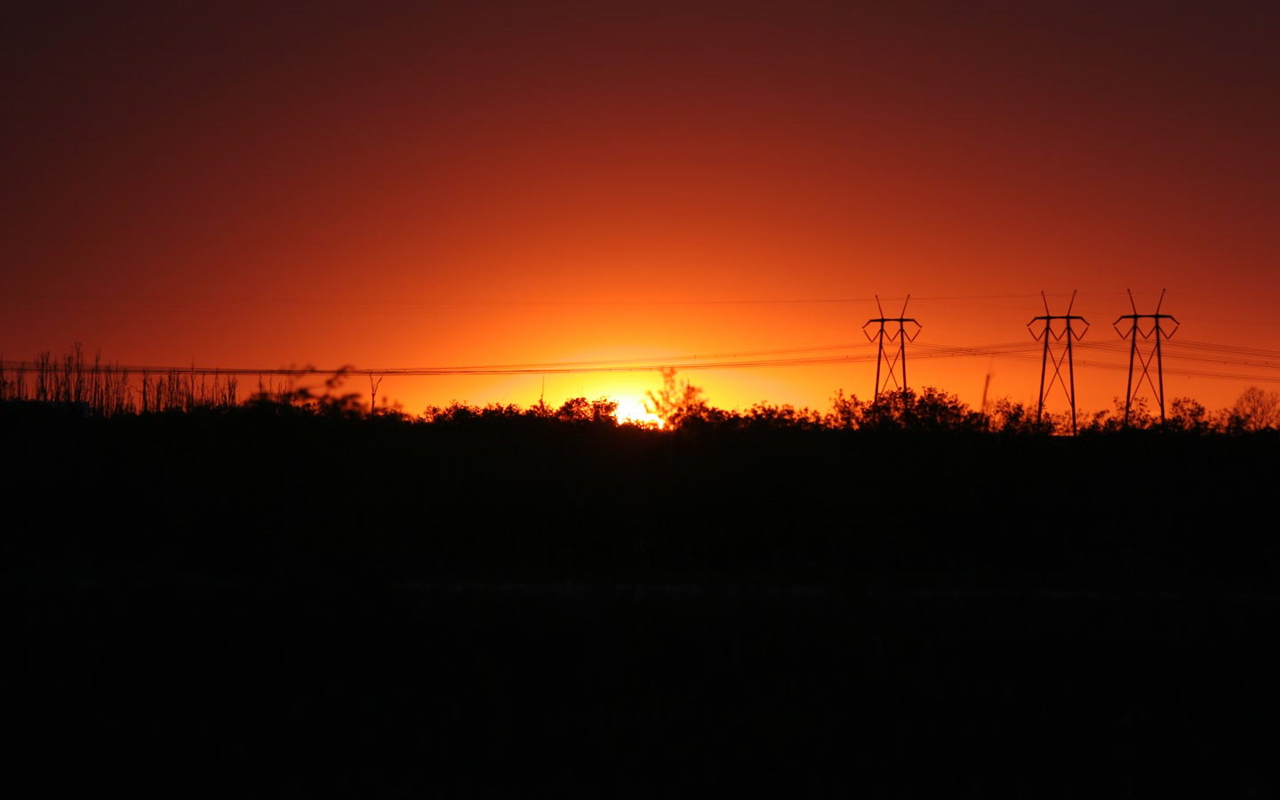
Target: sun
{"type": "Point", "coordinates": [631, 410]}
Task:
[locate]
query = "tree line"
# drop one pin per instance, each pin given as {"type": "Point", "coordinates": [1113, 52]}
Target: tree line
{"type": "Point", "coordinates": [74, 384]}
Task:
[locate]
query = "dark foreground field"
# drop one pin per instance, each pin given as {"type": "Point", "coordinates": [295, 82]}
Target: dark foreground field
{"type": "Point", "coordinates": [254, 605]}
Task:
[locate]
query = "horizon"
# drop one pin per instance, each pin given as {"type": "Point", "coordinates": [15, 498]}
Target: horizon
{"type": "Point", "coordinates": [126, 385]}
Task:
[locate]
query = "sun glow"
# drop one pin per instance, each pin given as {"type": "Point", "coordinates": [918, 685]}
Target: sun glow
{"type": "Point", "coordinates": [631, 410]}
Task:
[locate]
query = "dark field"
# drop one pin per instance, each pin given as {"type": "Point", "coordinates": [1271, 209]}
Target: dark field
{"type": "Point", "coordinates": [295, 606]}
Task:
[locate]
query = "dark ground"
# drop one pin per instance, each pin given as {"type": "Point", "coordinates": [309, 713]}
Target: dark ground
{"type": "Point", "coordinates": [303, 607]}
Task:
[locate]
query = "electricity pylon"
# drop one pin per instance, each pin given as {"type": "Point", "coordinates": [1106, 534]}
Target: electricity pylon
{"type": "Point", "coordinates": [1066, 335]}
{"type": "Point", "coordinates": [891, 361]}
{"type": "Point", "coordinates": [1144, 358]}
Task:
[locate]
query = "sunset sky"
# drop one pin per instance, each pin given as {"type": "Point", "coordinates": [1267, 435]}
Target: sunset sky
{"type": "Point", "coordinates": [266, 184]}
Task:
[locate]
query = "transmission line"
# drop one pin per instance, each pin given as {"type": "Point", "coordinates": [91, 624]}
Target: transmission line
{"type": "Point", "coordinates": [891, 361]}
{"type": "Point", "coordinates": [1251, 364]}
{"type": "Point", "coordinates": [1067, 336]}
{"type": "Point", "coordinates": [1156, 334]}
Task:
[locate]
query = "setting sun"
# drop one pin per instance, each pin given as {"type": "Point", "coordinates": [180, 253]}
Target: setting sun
{"type": "Point", "coordinates": [631, 410]}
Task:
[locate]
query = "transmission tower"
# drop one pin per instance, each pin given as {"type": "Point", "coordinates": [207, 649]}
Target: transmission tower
{"type": "Point", "coordinates": [1064, 335]}
{"type": "Point", "coordinates": [1154, 334]}
{"type": "Point", "coordinates": [885, 356]}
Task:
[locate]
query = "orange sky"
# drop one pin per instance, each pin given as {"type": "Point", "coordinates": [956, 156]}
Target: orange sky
{"type": "Point", "coordinates": [386, 186]}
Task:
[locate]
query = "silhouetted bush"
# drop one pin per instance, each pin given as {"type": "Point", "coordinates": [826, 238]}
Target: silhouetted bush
{"type": "Point", "coordinates": [930, 410]}
{"type": "Point", "coordinates": [1008, 417]}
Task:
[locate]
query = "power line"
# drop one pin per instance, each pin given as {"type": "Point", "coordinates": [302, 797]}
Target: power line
{"type": "Point", "coordinates": [1229, 355]}
{"type": "Point", "coordinates": [1144, 357]}
{"type": "Point", "coordinates": [892, 362]}
{"type": "Point", "coordinates": [1067, 336]}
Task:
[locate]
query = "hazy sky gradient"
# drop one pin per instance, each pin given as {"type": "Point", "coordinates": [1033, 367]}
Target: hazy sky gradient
{"type": "Point", "coordinates": [402, 184]}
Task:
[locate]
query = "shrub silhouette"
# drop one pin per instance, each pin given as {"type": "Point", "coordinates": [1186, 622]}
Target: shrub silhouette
{"type": "Point", "coordinates": [579, 409]}
{"type": "Point", "coordinates": [930, 410]}
{"type": "Point", "coordinates": [1188, 416]}
{"type": "Point", "coordinates": [678, 402]}
{"type": "Point", "coordinates": [846, 412]}
{"type": "Point", "coordinates": [1017, 418]}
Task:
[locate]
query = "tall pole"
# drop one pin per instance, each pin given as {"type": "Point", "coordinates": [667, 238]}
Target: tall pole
{"type": "Point", "coordinates": [896, 364]}
{"type": "Point", "coordinates": [1144, 359]}
{"type": "Point", "coordinates": [1049, 335]}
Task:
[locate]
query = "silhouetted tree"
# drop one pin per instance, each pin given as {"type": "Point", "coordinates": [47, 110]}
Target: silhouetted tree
{"type": "Point", "coordinates": [455, 412]}
{"type": "Point", "coordinates": [327, 403]}
{"type": "Point", "coordinates": [1188, 416]}
{"type": "Point", "coordinates": [846, 412]}
{"type": "Point", "coordinates": [764, 415]}
{"type": "Point", "coordinates": [604, 411]}
{"type": "Point", "coordinates": [678, 402]}
{"type": "Point", "coordinates": [579, 409]}
{"type": "Point", "coordinates": [930, 410]}
{"type": "Point", "coordinates": [1110, 421]}
{"type": "Point", "coordinates": [575, 409]}
{"type": "Point", "coordinates": [1009, 417]}
{"type": "Point", "coordinates": [1257, 409]}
